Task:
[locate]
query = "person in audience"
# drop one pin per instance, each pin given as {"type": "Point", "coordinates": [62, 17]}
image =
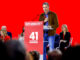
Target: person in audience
{"type": "Point", "coordinates": [55, 55]}
{"type": "Point", "coordinates": [22, 34]}
{"type": "Point", "coordinates": [15, 50]}
{"type": "Point", "coordinates": [29, 56]}
{"type": "Point", "coordinates": [4, 36]}
{"type": "Point", "coordinates": [72, 53]}
{"type": "Point", "coordinates": [21, 37]}
{"type": "Point", "coordinates": [0, 34]}
{"type": "Point", "coordinates": [64, 37]}
{"type": "Point", "coordinates": [35, 55]}
{"type": "Point", "coordinates": [4, 28]}
{"type": "Point", "coordinates": [3, 52]}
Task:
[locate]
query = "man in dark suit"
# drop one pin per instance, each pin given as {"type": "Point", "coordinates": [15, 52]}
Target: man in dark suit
{"type": "Point", "coordinates": [50, 20]}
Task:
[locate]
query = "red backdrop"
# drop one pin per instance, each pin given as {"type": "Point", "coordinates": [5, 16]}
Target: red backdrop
{"type": "Point", "coordinates": [13, 14]}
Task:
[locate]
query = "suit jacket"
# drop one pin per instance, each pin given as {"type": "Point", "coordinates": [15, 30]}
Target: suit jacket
{"type": "Point", "coordinates": [66, 37]}
{"type": "Point", "coordinates": [10, 34]}
{"type": "Point", "coordinates": [52, 21]}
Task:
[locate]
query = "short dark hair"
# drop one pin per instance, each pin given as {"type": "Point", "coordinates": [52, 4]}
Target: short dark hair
{"type": "Point", "coordinates": [45, 3]}
{"type": "Point", "coordinates": [55, 55]}
{"type": "Point", "coordinates": [35, 54]}
{"type": "Point", "coordinates": [15, 50]}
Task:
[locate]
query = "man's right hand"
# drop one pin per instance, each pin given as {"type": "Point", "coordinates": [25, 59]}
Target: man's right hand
{"type": "Point", "coordinates": [46, 19]}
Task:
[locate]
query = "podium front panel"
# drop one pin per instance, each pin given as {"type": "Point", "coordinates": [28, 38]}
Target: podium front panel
{"type": "Point", "coordinates": [33, 36]}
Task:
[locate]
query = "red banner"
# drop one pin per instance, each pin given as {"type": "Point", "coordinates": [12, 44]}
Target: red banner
{"type": "Point", "coordinates": [33, 38]}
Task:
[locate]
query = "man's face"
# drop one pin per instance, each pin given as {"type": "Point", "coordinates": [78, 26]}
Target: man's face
{"type": "Point", "coordinates": [45, 8]}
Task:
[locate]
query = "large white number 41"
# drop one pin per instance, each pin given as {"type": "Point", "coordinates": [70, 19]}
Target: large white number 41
{"type": "Point", "coordinates": [34, 36]}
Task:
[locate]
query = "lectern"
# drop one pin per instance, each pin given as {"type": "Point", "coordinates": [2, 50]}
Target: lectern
{"type": "Point", "coordinates": [33, 36]}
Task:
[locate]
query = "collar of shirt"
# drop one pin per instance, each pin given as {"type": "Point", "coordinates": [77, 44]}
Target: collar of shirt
{"type": "Point", "coordinates": [46, 15]}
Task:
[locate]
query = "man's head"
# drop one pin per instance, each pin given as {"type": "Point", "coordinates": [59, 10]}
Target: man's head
{"type": "Point", "coordinates": [55, 55]}
{"type": "Point", "coordinates": [15, 50]}
{"type": "Point", "coordinates": [4, 28]}
{"type": "Point", "coordinates": [45, 7]}
{"type": "Point", "coordinates": [35, 55]}
{"type": "Point", "coordinates": [3, 31]}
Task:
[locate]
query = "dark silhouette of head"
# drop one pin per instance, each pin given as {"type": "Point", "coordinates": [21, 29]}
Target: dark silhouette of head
{"type": "Point", "coordinates": [55, 55]}
{"type": "Point", "coordinates": [3, 52]}
{"type": "Point", "coordinates": [35, 55]}
{"type": "Point", "coordinates": [71, 53]}
{"type": "Point", "coordinates": [15, 50]}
